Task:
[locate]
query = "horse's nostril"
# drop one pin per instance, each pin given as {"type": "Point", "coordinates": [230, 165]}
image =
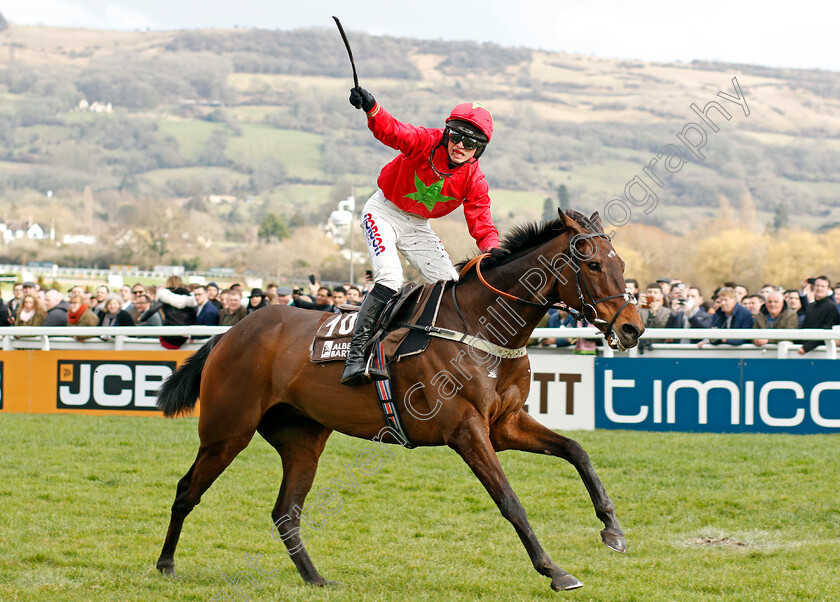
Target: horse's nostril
{"type": "Point", "coordinates": [630, 331]}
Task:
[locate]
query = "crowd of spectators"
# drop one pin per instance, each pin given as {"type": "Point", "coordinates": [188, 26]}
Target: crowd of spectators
{"type": "Point", "coordinates": [173, 304]}
{"type": "Point", "coordinates": [672, 303]}
{"type": "Point", "coordinates": [666, 303]}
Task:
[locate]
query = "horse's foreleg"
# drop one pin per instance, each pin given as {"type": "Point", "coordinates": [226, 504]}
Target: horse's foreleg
{"type": "Point", "coordinates": [473, 445]}
{"type": "Point", "coordinates": [299, 441]}
{"type": "Point", "coordinates": [522, 432]}
{"type": "Point", "coordinates": [210, 462]}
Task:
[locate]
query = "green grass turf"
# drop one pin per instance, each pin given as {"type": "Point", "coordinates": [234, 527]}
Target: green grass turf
{"type": "Point", "coordinates": [85, 505]}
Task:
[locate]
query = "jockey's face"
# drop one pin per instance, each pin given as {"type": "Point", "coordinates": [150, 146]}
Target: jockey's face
{"type": "Point", "coordinates": [458, 154]}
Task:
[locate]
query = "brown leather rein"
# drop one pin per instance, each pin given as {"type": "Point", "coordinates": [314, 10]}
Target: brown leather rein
{"type": "Point", "coordinates": [587, 313]}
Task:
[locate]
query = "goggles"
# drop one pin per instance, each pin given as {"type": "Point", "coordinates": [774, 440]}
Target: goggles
{"type": "Point", "coordinates": [468, 142]}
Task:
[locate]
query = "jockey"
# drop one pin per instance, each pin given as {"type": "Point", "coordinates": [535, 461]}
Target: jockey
{"type": "Point", "coordinates": [435, 172]}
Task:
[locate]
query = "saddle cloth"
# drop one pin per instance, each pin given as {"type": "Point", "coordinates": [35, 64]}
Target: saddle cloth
{"type": "Point", "coordinates": [332, 340]}
{"type": "Point", "coordinates": [414, 304]}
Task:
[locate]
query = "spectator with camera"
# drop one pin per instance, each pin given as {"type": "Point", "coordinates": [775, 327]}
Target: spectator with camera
{"type": "Point", "coordinates": [652, 310]}
{"type": "Point", "coordinates": [687, 309]}
{"type": "Point", "coordinates": [323, 301]}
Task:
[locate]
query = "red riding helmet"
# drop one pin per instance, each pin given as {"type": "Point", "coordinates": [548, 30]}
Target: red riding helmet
{"type": "Point", "coordinates": [475, 114]}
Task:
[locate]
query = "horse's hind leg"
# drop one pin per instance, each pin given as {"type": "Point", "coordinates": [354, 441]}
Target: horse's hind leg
{"type": "Point", "coordinates": [473, 444]}
{"type": "Point", "coordinates": [210, 462]}
{"type": "Point", "coordinates": [521, 431]}
{"type": "Point", "coordinates": [299, 441]}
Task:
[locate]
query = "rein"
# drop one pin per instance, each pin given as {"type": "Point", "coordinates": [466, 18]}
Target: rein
{"type": "Point", "coordinates": [587, 311]}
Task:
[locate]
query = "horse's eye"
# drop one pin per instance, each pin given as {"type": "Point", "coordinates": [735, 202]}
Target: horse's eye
{"type": "Point", "coordinates": [594, 266]}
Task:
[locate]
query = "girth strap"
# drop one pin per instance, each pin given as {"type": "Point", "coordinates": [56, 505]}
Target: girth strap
{"type": "Point", "coordinates": [473, 341]}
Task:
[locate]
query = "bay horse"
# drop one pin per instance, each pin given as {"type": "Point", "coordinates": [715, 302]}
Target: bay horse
{"type": "Point", "coordinates": [257, 377]}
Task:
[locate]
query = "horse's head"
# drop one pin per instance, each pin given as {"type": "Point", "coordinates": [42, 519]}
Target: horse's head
{"type": "Point", "coordinates": [597, 289]}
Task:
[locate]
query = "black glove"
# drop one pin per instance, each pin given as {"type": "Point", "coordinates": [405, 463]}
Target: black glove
{"type": "Point", "coordinates": [496, 256]}
{"type": "Point", "coordinates": [362, 99]}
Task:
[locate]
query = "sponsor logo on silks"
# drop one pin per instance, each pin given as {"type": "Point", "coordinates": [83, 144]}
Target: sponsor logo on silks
{"type": "Point", "coordinates": [333, 349]}
{"type": "Point", "coordinates": [372, 235]}
{"type": "Point", "coordinates": [428, 196]}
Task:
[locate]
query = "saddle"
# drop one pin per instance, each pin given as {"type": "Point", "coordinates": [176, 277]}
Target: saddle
{"type": "Point", "coordinates": [400, 327]}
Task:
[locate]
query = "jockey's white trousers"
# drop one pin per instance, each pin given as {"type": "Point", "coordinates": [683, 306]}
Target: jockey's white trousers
{"type": "Point", "coordinates": [389, 231]}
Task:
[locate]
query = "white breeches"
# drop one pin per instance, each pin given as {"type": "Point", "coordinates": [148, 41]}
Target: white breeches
{"type": "Point", "coordinates": [388, 229]}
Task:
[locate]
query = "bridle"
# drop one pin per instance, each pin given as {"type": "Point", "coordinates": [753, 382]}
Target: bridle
{"type": "Point", "coordinates": [587, 311]}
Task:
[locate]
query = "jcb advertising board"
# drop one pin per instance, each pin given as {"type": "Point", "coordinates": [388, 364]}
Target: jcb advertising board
{"type": "Point", "coordinates": [84, 382]}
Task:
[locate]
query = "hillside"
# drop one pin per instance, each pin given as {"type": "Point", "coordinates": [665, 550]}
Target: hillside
{"type": "Point", "coordinates": [262, 116]}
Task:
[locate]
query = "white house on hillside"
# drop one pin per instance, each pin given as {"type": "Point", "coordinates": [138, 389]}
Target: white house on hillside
{"type": "Point", "coordinates": [12, 231]}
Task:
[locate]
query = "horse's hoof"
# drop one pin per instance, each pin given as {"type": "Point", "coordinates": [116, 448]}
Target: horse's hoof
{"type": "Point", "coordinates": [167, 569]}
{"type": "Point", "coordinates": [614, 541]}
{"type": "Point", "coordinates": [565, 582]}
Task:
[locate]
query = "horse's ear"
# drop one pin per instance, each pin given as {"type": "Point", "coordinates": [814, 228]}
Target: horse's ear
{"type": "Point", "coordinates": [595, 221]}
{"type": "Point", "coordinates": [565, 218]}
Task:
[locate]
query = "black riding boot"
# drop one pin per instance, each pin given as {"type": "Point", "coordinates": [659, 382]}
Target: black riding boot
{"type": "Point", "coordinates": [354, 369]}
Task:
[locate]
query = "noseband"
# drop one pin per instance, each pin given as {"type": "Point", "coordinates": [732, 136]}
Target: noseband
{"type": "Point", "coordinates": [587, 310]}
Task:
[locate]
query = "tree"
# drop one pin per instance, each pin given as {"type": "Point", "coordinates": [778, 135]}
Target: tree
{"type": "Point", "coordinates": [563, 196]}
{"type": "Point", "coordinates": [549, 209]}
{"type": "Point", "coordinates": [781, 218]}
{"type": "Point", "coordinates": [273, 227]}
{"type": "Point", "coordinates": [4, 25]}
{"type": "Point", "coordinates": [197, 201]}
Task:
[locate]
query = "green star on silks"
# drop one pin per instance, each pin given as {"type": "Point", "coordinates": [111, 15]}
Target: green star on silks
{"type": "Point", "coordinates": [428, 196]}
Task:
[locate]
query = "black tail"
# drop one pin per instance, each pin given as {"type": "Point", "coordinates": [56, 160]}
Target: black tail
{"type": "Point", "coordinates": [180, 391]}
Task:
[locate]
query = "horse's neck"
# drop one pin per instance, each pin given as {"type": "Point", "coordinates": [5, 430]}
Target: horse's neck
{"type": "Point", "coordinates": [500, 320]}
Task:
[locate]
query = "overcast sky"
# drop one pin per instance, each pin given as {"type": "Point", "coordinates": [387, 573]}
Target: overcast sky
{"type": "Point", "coordinates": [790, 34]}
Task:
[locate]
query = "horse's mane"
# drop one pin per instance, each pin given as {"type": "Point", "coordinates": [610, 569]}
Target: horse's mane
{"type": "Point", "coordinates": [524, 237]}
